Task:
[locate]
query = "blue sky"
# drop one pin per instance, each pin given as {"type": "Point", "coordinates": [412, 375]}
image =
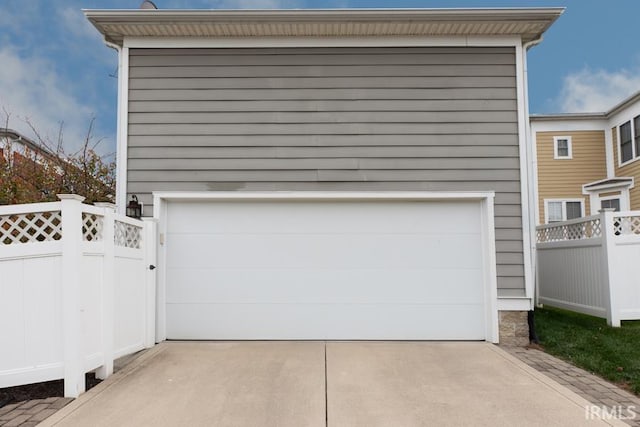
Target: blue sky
{"type": "Point", "coordinates": [55, 68]}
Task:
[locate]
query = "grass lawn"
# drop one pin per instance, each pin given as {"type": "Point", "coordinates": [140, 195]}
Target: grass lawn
{"type": "Point", "coordinates": [587, 342]}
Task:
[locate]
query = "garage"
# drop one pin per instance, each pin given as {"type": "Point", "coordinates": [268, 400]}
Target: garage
{"type": "Point", "coordinates": [325, 267]}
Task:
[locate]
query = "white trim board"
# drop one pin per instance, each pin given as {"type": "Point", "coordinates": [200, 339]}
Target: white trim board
{"type": "Point", "coordinates": [161, 200]}
{"type": "Point", "coordinates": [568, 125]}
{"type": "Point", "coordinates": [528, 223]}
{"type": "Point", "coordinates": [123, 130]}
{"type": "Point", "coordinates": [514, 304]}
{"type": "Point", "coordinates": [317, 195]}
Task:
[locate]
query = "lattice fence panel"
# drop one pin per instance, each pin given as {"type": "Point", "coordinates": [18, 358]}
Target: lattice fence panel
{"type": "Point", "coordinates": [626, 225]}
{"type": "Point", "coordinates": [127, 235]}
{"type": "Point", "coordinates": [30, 227]}
{"type": "Point", "coordinates": [92, 227]}
{"type": "Point", "coordinates": [582, 230]}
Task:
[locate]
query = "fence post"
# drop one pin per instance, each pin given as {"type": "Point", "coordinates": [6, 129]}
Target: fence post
{"type": "Point", "coordinates": [108, 290]}
{"type": "Point", "coordinates": [608, 248]}
{"type": "Point", "coordinates": [150, 260]}
{"type": "Point", "coordinates": [71, 208]}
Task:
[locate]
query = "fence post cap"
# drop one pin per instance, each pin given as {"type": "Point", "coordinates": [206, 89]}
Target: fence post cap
{"type": "Point", "coordinates": [70, 197]}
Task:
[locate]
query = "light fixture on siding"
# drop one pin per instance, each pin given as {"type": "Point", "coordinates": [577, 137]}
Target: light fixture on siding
{"type": "Point", "coordinates": [134, 209]}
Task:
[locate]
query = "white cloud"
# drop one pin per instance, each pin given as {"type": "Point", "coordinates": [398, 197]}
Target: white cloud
{"type": "Point", "coordinates": [73, 21]}
{"type": "Point", "coordinates": [31, 90]}
{"type": "Point", "coordinates": [598, 90]}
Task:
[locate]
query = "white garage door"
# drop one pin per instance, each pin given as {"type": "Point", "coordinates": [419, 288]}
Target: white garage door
{"type": "Point", "coordinates": [392, 270]}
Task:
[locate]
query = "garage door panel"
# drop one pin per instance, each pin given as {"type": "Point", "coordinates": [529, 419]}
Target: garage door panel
{"type": "Point", "coordinates": [325, 321]}
{"type": "Point", "coordinates": [342, 251]}
{"type": "Point", "coordinates": [285, 286]}
{"type": "Point", "coordinates": [334, 217]}
{"type": "Point", "coordinates": [245, 321]}
{"type": "Point", "coordinates": [407, 322]}
{"type": "Point", "coordinates": [325, 269]}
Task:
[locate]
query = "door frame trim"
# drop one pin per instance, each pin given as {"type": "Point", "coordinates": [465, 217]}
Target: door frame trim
{"type": "Point", "coordinates": [485, 198]}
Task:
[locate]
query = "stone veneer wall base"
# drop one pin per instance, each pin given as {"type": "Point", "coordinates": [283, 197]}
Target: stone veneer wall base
{"type": "Point", "coordinates": [513, 328]}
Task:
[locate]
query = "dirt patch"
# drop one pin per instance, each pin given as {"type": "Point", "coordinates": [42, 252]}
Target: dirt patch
{"type": "Point", "coordinates": [40, 390]}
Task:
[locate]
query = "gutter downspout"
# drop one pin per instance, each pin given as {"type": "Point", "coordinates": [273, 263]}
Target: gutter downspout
{"type": "Point", "coordinates": [532, 190]}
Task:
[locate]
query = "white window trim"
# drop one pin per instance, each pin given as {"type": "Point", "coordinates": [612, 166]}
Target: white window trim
{"type": "Point", "coordinates": [569, 148]}
{"type": "Point", "coordinates": [564, 207]}
{"type": "Point", "coordinates": [594, 200]}
{"type": "Point", "coordinates": [634, 155]}
{"type": "Point", "coordinates": [619, 197]}
{"type": "Point", "coordinates": [625, 197]}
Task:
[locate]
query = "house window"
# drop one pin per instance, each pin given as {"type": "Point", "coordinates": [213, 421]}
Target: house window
{"type": "Point", "coordinates": [610, 204]}
{"type": "Point", "coordinates": [626, 148]}
{"type": "Point", "coordinates": [573, 210]}
{"type": "Point", "coordinates": [562, 147]}
{"type": "Point", "coordinates": [636, 127]}
{"type": "Point", "coordinates": [563, 210]}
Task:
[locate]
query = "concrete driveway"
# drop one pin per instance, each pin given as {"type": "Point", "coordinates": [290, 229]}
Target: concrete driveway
{"type": "Point", "coordinates": [318, 384]}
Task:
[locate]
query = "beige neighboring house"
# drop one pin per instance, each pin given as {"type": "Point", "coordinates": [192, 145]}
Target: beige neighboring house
{"type": "Point", "coordinates": [586, 162]}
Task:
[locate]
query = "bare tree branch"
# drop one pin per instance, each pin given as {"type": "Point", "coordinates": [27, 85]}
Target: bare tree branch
{"type": "Point", "coordinates": [34, 175]}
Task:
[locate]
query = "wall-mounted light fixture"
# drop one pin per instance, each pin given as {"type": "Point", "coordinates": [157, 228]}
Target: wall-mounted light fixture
{"type": "Point", "coordinates": [134, 209]}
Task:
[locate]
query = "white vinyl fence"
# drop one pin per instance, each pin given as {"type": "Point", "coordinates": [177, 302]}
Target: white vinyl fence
{"type": "Point", "coordinates": [76, 291]}
{"type": "Point", "coordinates": [592, 265]}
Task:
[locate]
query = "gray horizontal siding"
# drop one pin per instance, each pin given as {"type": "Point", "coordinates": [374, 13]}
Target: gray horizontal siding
{"type": "Point", "coordinates": [342, 175]}
{"type": "Point", "coordinates": [390, 105]}
{"type": "Point", "coordinates": [434, 163]}
{"type": "Point", "coordinates": [163, 94]}
{"type": "Point", "coordinates": [321, 128]}
{"type": "Point", "coordinates": [288, 117]}
{"type": "Point", "coordinates": [507, 192]}
{"type": "Point", "coordinates": [203, 75]}
{"type": "Point", "coordinates": [323, 56]}
{"type": "Point", "coordinates": [333, 119]}
{"type": "Point", "coordinates": [250, 152]}
{"type": "Point", "coordinates": [313, 83]}
{"type": "Point", "coordinates": [283, 142]}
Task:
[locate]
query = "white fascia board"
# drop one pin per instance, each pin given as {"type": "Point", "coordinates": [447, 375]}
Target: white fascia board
{"type": "Point", "coordinates": [319, 195]}
{"type": "Point", "coordinates": [276, 42]}
{"type": "Point", "coordinates": [568, 125]}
